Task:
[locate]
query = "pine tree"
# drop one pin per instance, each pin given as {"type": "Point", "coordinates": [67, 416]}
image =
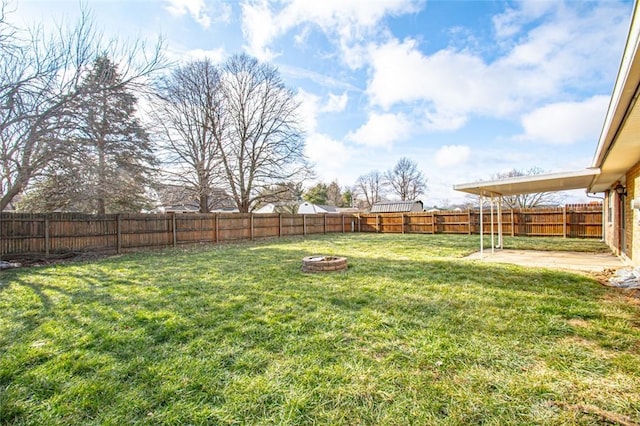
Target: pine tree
{"type": "Point", "coordinates": [110, 159]}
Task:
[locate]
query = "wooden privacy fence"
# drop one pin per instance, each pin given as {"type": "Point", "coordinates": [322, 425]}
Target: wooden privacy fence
{"type": "Point", "coordinates": [47, 234]}
{"type": "Point", "coordinates": [572, 220]}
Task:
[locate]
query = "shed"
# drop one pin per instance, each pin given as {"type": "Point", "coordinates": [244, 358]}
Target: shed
{"type": "Point", "coordinates": [397, 207]}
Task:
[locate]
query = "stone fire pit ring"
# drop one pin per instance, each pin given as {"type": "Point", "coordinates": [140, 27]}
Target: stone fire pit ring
{"type": "Point", "coordinates": [321, 263]}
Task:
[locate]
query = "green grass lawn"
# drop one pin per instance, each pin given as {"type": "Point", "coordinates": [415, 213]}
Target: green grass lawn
{"type": "Point", "coordinates": [237, 334]}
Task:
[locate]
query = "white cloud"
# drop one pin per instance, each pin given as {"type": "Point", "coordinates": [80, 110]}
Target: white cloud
{"type": "Point", "coordinates": [214, 55]}
{"type": "Point", "coordinates": [320, 79]}
{"type": "Point", "coordinates": [382, 130]}
{"type": "Point", "coordinates": [566, 122]}
{"type": "Point", "coordinates": [568, 52]}
{"type": "Point", "coordinates": [345, 22]}
{"type": "Point", "coordinates": [336, 103]}
{"type": "Point", "coordinates": [308, 110]}
{"type": "Point", "coordinates": [512, 20]}
{"type": "Point", "coordinates": [330, 156]}
{"type": "Point", "coordinates": [444, 121]}
{"type": "Point", "coordinates": [196, 8]}
{"type": "Point", "coordinates": [259, 27]}
{"type": "Point", "coordinates": [448, 80]}
{"type": "Point", "coordinates": [452, 155]}
{"type": "Point", "coordinates": [311, 106]}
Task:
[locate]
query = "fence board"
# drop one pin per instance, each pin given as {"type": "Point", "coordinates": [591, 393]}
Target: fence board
{"type": "Point", "coordinates": [45, 234]}
{"type": "Point", "coordinates": [577, 220]}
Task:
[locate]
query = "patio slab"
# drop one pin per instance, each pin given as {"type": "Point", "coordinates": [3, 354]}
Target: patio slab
{"type": "Point", "coordinates": [577, 261]}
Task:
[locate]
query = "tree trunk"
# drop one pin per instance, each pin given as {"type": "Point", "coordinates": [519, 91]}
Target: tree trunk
{"type": "Point", "coordinates": [204, 203]}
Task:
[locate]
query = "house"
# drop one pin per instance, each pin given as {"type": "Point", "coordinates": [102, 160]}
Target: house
{"type": "Point", "coordinates": [397, 207]}
{"type": "Point", "coordinates": [12, 206]}
{"type": "Point", "coordinates": [310, 208]}
{"type": "Point", "coordinates": [179, 199]}
{"type": "Point", "coordinates": [617, 155]}
{"type": "Point", "coordinates": [615, 169]}
{"type": "Point", "coordinates": [283, 207]}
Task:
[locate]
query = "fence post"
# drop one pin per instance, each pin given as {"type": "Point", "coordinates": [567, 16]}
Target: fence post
{"type": "Point", "coordinates": [378, 223]}
{"type": "Point", "coordinates": [433, 223]}
{"type": "Point", "coordinates": [324, 223]}
{"type": "Point", "coordinates": [47, 238]}
{"type": "Point", "coordinates": [304, 225]}
{"type": "Point", "coordinates": [251, 224]}
{"type": "Point", "coordinates": [279, 225]}
{"type": "Point", "coordinates": [468, 221]}
{"type": "Point", "coordinates": [217, 226]}
{"type": "Point", "coordinates": [119, 233]}
{"type": "Point", "coordinates": [513, 224]}
{"type": "Point", "coordinates": [175, 231]}
{"type": "Point", "coordinates": [564, 221]}
{"type": "Point", "coordinates": [342, 219]}
{"type": "Point", "coordinates": [403, 222]}
{"type": "Point", "coordinates": [359, 225]}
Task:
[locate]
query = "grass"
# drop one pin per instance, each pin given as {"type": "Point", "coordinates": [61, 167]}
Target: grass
{"type": "Point", "coordinates": [550, 243]}
{"type": "Point", "coordinates": [410, 334]}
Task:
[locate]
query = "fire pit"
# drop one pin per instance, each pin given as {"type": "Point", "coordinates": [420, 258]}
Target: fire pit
{"type": "Point", "coordinates": [321, 263]}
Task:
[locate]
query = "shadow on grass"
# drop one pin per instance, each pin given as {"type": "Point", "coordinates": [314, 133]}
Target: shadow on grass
{"type": "Point", "coordinates": [141, 337]}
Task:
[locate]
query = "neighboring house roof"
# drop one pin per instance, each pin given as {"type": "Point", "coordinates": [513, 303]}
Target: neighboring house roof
{"type": "Point", "coordinates": [11, 207]}
{"type": "Point", "coordinates": [397, 207]}
{"type": "Point", "coordinates": [311, 208]}
{"type": "Point", "coordinates": [283, 207]}
{"type": "Point", "coordinates": [179, 199]}
{"type": "Point", "coordinates": [328, 209]}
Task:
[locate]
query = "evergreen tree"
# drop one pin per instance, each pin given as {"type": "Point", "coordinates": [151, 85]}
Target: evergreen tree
{"type": "Point", "coordinates": [109, 157]}
{"type": "Point", "coordinates": [316, 194]}
{"type": "Point", "coordinates": [347, 198]}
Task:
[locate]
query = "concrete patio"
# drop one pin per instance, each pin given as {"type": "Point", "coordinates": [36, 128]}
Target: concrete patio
{"type": "Point", "coordinates": [577, 261]}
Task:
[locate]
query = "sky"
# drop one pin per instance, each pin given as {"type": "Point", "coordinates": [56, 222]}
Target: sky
{"type": "Point", "coordinates": [465, 89]}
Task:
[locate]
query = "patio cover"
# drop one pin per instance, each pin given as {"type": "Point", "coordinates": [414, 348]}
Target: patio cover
{"type": "Point", "coordinates": [549, 182]}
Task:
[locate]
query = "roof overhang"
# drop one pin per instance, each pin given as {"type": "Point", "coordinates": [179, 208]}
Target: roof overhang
{"type": "Point", "coordinates": [619, 146]}
{"type": "Point", "coordinates": [550, 182]}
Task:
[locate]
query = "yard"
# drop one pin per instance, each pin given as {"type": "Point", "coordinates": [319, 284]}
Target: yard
{"type": "Point", "coordinates": [237, 334]}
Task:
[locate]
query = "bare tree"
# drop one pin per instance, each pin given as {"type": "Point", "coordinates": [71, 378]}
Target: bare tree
{"type": "Point", "coordinates": [285, 195]}
{"type": "Point", "coordinates": [371, 186]}
{"type": "Point", "coordinates": [527, 200]}
{"type": "Point", "coordinates": [191, 116]}
{"type": "Point", "coordinates": [263, 143]}
{"type": "Point", "coordinates": [40, 77]}
{"type": "Point", "coordinates": [405, 180]}
{"type": "Point", "coordinates": [334, 194]}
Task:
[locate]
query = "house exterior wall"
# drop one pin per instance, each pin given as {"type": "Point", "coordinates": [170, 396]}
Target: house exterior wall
{"type": "Point", "coordinates": [633, 216]}
{"type": "Point", "coordinates": [629, 246]}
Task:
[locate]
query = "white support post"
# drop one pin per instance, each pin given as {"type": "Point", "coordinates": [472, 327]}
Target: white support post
{"type": "Point", "coordinates": [500, 222]}
{"type": "Point", "coordinates": [492, 240]}
{"type": "Point", "coordinates": [481, 228]}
